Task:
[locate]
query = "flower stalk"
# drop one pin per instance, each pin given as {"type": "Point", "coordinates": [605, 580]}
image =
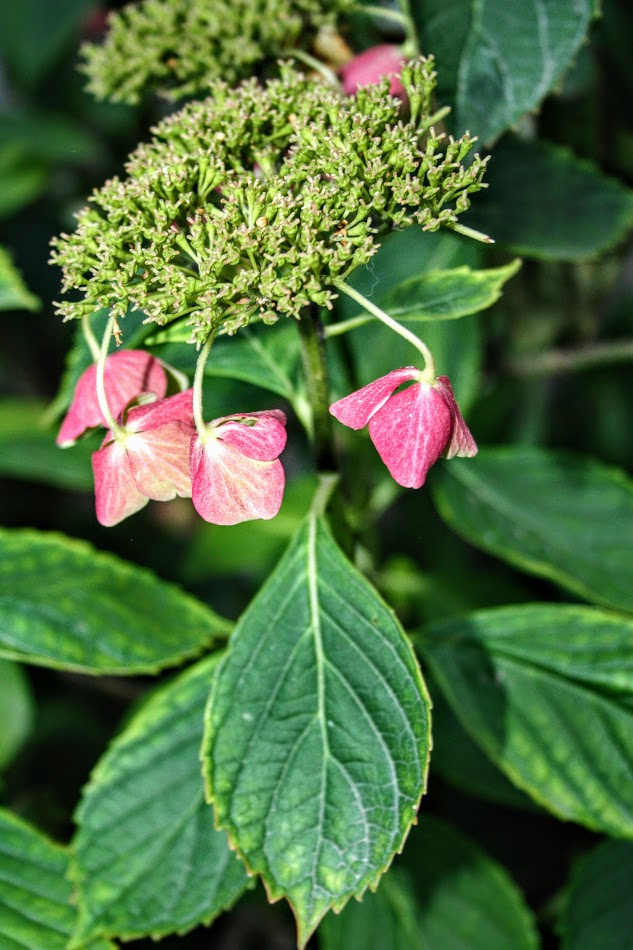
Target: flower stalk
{"type": "Point", "coordinates": [312, 335]}
{"type": "Point", "coordinates": [117, 432]}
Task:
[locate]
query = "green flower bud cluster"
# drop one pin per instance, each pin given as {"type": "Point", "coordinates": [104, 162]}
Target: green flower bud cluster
{"type": "Point", "coordinates": [252, 203]}
{"type": "Point", "coordinates": [179, 47]}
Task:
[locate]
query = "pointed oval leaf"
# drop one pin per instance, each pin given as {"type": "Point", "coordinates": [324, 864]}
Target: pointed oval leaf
{"type": "Point", "coordinates": [498, 60]}
{"type": "Point", "coordinates": [147, 859]}
{"type": "Point", "coordinates": [63, 604]}
{"type": "Point", "coordinates": [563, 517]}
{"type": "Point", "coordinates": [547, 691]}
{"type": "Point", "coordinates": [544, 202]}
{"type": "Point", "coordinates": [36, 912]}
{"type": "Point", "coordinates": [16, 710]}
{"type": "Point", "coordinates": [599, 908]}
{"type": "Point", "coordinates": [317, 808]}
{"type": "Point", "coordinates": [14, 294]}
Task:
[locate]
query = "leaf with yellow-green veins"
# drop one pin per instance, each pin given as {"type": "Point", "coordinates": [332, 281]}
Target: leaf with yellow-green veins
{"type": "Point", "coordinates": [36, 909]}
{"type": "Point", "coordinates": [317, 735]}
{"type": "Point", "coordinates": [63, 604]}
{"type": "Point", "coordinates": [147, 859]}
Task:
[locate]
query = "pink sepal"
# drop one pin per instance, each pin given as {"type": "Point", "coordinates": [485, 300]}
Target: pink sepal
{"type": "Point", "coordinates": [461, 442]}
{"type": "Point", "coordinates": [178, 408]}
{"type": "Point", "coordinates": [159, 460]}
{"type": "Point", "coordinates": [116, 494]}
{"type": "Point", "coordinates": [357, 409]}
{"type": "Point", "coordinates": [127, 373]}
{"type": "Point", "coordinates": [259, 435]}
{"type": "Point", "coordinates": [370, 66]}
{"type": "Point", "coordinates": [410, 432]}
{"type": "Point", "coordinates": [229, 487]}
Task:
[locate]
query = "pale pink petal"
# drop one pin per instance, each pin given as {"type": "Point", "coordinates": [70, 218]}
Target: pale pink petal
{"type": "Point", "coordinates": [410, 432]}
{"type": "Point", "coordinates": [116, 494]}
{"type": "Point", "coordinates": [368, 67]}
{"type": "Point", "coordinates": [127, 373]}
{"type": "Point", "coordinates": [229, 488]}
{"type": "Point", "coordinates": [357, 409]}
{"type": "Point", "coordinates": [260, 436]}
{"type": "Point", "coordinates": [461, 442]}
{"type": "Point", "coordinates": [178, 408]}
{"type": "Point", "coordinates": [159, 461]}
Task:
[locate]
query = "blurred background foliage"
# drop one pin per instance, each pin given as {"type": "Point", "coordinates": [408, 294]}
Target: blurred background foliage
{"type": "Point", "coordinates": [548, 365]}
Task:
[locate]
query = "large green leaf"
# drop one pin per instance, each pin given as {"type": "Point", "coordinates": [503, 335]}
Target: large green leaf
{"type": "Point", "coordinates": [63, 604]}
{"type": "Point", "coordinates": [445, 894]}
{"type": "Point", "coordinates": [547, 691]}
{"type": "Point", "coordinates": [599, 908]}
{"type": "Point", "coordinates": [498, 60]}
{"type": "Point", "coordinates": [16, 710]}
{"type": "Point", "coordinates": [563, 517]}
{"type": "Point", "coordinates": [543, 202]}
{"type": "Point", "coordinates": [147, 859]}
{"type": "Point", "coordinates": [14, 294]}
{"type": "Point", "coordinates": [446, 294]}
{"type": "Point", "coordinates": [33, 33]}
{"type": "Point", "coordinates": [28, 450]}
{"type": "Point", "coordinates": [36, 912]}
{"type": "Point", "coordinates": [317, 738]}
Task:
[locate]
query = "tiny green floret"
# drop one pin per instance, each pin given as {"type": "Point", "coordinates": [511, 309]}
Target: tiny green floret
{"type": "Point", "coordinates": [179, 47]}
{"type": "Point", "coordinates": [252, 203]}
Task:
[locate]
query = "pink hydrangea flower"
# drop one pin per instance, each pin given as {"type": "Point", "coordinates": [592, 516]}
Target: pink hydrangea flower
{"type": "Point", "coordinates": [127, 373]}
{"type": "Point", "coordinates": [412, 428]}
{"type": "Point", "coordinates": [368, 67]}
{"type": "Point", "coordinates": [149, 458]}
{"type": "Point", "coordinates": [235, 471]}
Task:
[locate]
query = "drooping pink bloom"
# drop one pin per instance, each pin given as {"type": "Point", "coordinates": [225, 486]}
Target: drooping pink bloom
{"type": "Point", "coordinates": [235, 471]}
{"type": "Point", "coordinates": [127, 373]}
{"type": "Point", "coordinates": [149, 458]}
{"type": "Point", "coordinates": [368, 67]}
{"type": "Point", "coordinates": [412, 428]}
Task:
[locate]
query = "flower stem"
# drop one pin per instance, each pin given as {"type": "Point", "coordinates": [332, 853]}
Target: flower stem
{"type": "Point", "coordinates": [198, 380]}
{"type": "Point", "coordinates": [90, 338]}
{"type": "Point", "coordinates": [429, 362]}
{"type": "Point", "coordinates": [470, 232]}
{"type": "Point", "coordinates": [316, 374]}
{"type": "Point", "coordinates": [317, 65]}
{"type": "Point", "coordinates": [111, 423]}
{"type": "Point", "coordinates": [402, 17]}
{"type": "Point", "coordinates": [550, 362]}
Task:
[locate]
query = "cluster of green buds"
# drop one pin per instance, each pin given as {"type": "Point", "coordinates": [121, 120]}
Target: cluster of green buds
{"type": "Point", "coordinates": [179, 47]}
{"type": "Point", "coordinates": [254, 202]}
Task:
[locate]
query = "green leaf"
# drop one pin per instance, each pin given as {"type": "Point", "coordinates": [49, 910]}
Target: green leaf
{"type": "Point", "coordinates": [544, 202]}
{"type": "Point", "coordinates": [16, 710]}
{"type": "Point", "coordinates": [563, 517]}
{"type": "Point", "coordinates": [599, 910]}
{"type": "Point", "coordinates": [65, 605]}
{"type": "Point", "coordinates": [23, 177]}
{"type": "Point", "coordinates": [447, 294]}
{"type": "Point", "coordinates": [28, 451]}
{"type": "Point", "coordinates": [14, 294]}
{"type": "Point", "coordinates": [466, 900]}
{"type": "Point", "coordinates": [316, 808]}
{"type": "Point", "coordinates": [385, 919]}
{"type": "Point", "coordinates": [35, 898]}
{"type": "Point", "coordinates": [147, 859]}
{"type": "Point", "coordinates": [48, 136]}
{"type": "Point", "coordinates": [547, 691]}
{"type": "Point", "coordinates": [33, 33]}
{"type": "Point", "coordinates": [497, 60]}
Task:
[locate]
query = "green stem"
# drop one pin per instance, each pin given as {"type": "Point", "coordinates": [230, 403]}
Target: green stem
{"type": "Point", "coordinates": [90, 338]}
{"type": "Point", "coordinates": [198, 380]}
{"type": "Point", "coordinates": [600, 353]}
{"type": "Point", "coordinates": [316, 374]}
{"type": "Point", "coordinates": [429, 362]}
{"type": "Point", "coordinates": [116, 430]}
{"type": "Point", "coordinates": [470, 232]}
{"type": "Point", "coordinates": [402, 17]}
{"type": "Point", "coordinates": [317, 65]}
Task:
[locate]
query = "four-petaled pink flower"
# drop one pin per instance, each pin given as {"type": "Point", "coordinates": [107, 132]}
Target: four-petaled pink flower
{"type": "Point", "coordinates": [412, 428]}
{"type": "Point", "coordinates": [147, 458]}
{"type": "Point", "coordinates": [368, 67]}
{"type": "Point", "coordinates": [235, 471]}
{"type": "Point", "coordinates": [127, 374]}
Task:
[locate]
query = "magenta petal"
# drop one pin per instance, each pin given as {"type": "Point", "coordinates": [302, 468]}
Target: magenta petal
{"type": "Point", "coordinates": [410, 433]}
{"type": "Point", "coordinates": [159, 461]}
{"type": "Point", "coordinates": [178, 408]}
{"type": "Point", "coordinates": [116, 494]}
{"type": "Point", "coordinates": [264, 439]}
{"type": "Point", "coordinates": [357, 409]}
{"type": "Point", "coordinates": [369, 66]}
{"type": "Point", "coordinates": [461, 442]}
{"type": "Point", "coordinates": [229, 488]}
{"type": "Point", "coordinates": [127, 373]}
